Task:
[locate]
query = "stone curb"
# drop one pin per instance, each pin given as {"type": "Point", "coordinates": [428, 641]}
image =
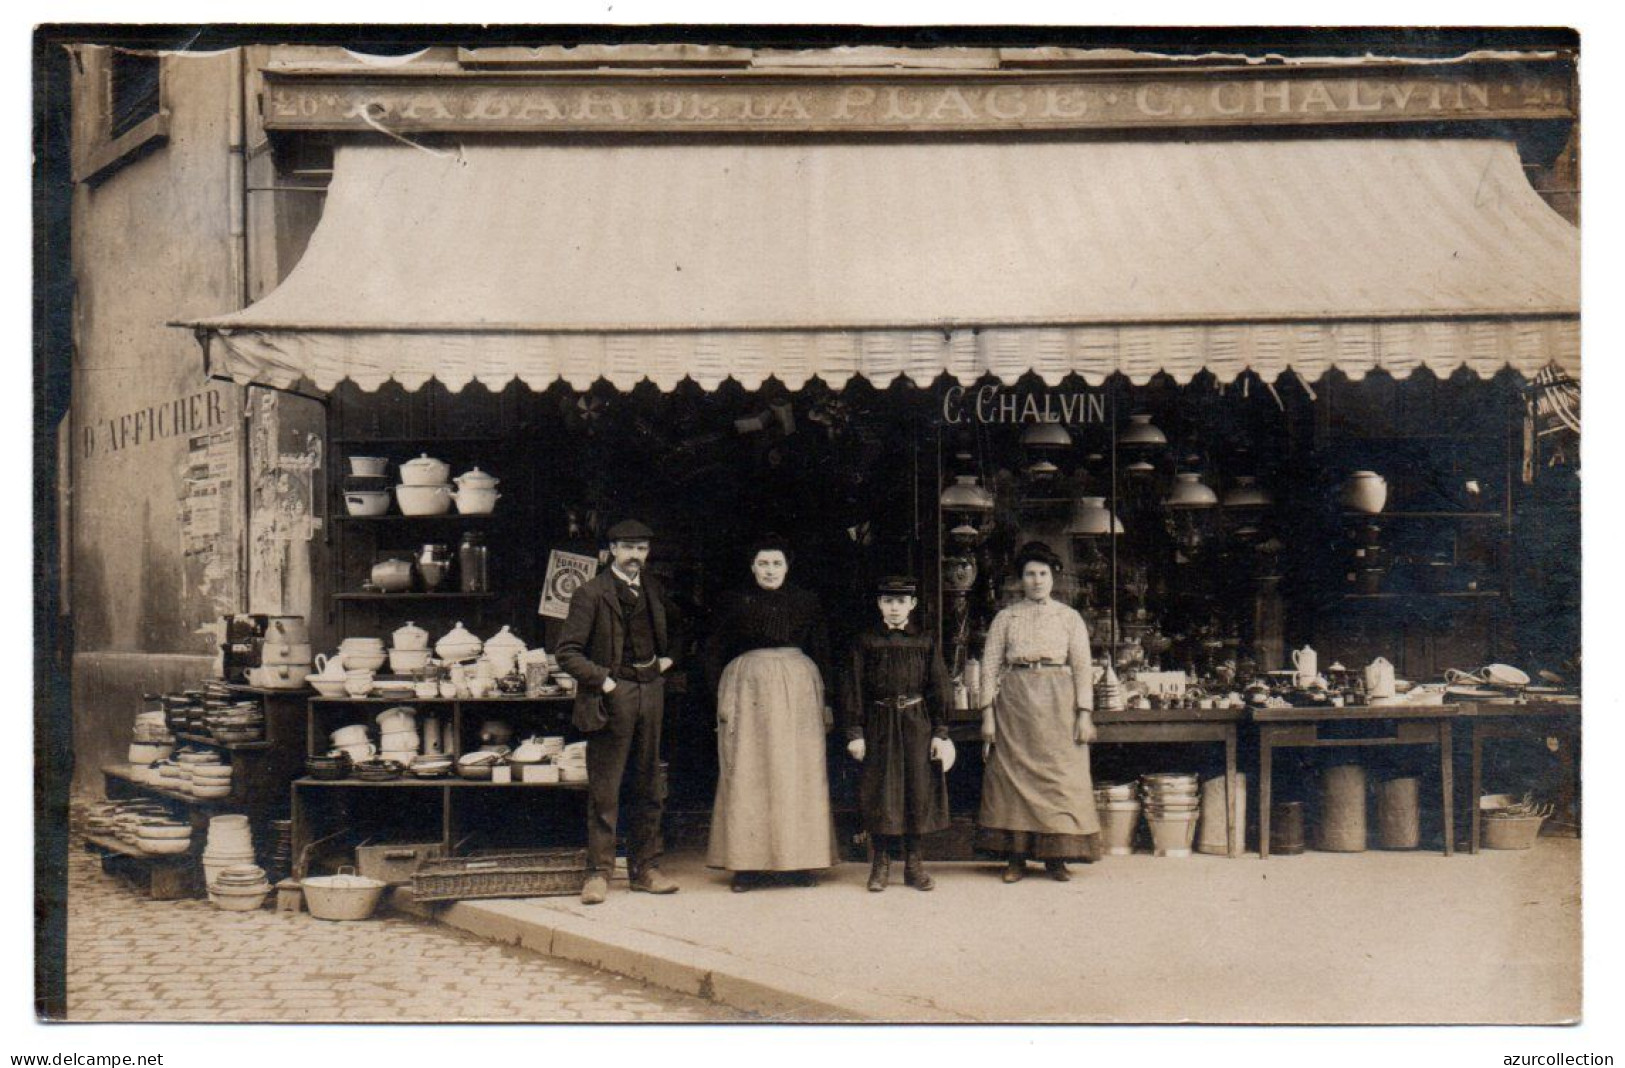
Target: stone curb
{"type": "Point", "coordinates": [772, 992]}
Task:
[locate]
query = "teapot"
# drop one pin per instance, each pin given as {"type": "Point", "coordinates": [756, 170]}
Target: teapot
{"type": "Point", "coordinates": [1379, 679]}
{"type": "Point", "coordinates": [1308, 664]}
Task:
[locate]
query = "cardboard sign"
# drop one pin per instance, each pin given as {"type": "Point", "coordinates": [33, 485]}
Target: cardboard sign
{"type": "Point", "coordinates": [565, 572]}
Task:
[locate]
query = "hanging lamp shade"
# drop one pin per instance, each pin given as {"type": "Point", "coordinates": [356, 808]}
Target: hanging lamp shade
{"type": "Point", "coordinates": [1045, 436]}
{"type": "Point", "coordinates": [1141, 431]}
{"type": "Point", "coordinates": [966, 495]}
{"type": "Point", "coordinates": [1091, 517]}
{"type": "Point", "coordinates": [1190, 492]}
{"type": "Point", "coordinates": [1247, 493]}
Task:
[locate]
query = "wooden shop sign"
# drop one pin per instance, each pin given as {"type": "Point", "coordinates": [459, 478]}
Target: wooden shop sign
{"type": "Point", "coordinates": [485, 102]}
{"type": "Point", "coordinates": [994, 404]}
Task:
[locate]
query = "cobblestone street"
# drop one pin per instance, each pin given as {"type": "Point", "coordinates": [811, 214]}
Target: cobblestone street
{"type": "Point", "coordinates": [134, 959]}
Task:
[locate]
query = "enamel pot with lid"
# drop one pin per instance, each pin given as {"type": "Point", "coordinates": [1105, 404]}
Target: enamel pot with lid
{"type": "Point", "coordinates": [425, 471]}
{"type": "Point", "coordinates": [476, 479]}
{"type": "Point", "coordinates": [458, 644]}
{"type": "Point", "coordinates": [411, 637]}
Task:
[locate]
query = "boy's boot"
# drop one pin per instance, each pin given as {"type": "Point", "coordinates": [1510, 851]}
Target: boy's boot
{"type": "Point", "coordinates": [914, 865]}
{"type": "Point", "coordinates": [879, 864]}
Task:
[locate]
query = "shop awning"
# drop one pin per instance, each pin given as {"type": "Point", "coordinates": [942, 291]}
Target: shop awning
{"type": "Point", "coordinates": [666, 260]}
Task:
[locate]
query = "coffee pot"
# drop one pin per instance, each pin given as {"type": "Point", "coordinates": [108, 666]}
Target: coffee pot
{"type": "Point", "coordinates": [1379, 679]}
{"type": "Point", "coordinates": [1308, 664]}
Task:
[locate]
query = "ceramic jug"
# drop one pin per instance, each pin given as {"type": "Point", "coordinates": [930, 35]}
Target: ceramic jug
{"type": "Point", "coordinates": [1308, 665]}
{"type": "Point", "coordinates": [1379, 678]}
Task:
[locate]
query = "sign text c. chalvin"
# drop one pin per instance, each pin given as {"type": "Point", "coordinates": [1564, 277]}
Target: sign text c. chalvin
{"type": "Point", "coordinates": [994, 404]}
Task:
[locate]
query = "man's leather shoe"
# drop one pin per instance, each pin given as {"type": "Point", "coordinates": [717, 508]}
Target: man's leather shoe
{"type": "Point", "coordinates": [651, 881]}
{"type": "Point", "coordinates": [595, 890]}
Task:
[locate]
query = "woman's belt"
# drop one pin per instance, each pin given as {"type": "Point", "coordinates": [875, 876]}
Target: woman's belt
{"type": "Point", "coordinates": [1028, 665]}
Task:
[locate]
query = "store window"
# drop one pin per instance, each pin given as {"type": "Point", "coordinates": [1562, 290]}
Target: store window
{"type": "Point", "coordinates": [122, 95]}
{"type": "Point", "coordinates": [132, 90]}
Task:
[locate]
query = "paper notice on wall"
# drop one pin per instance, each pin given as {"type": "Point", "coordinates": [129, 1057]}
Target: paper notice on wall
{"type": "Point", "coordinates": [565, 572]}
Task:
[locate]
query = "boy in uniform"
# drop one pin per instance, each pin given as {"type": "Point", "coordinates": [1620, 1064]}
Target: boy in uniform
{"type": "Point", "coordinates": [895, 693]}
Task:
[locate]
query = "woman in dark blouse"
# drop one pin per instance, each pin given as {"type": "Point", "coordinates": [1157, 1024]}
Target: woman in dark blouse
{"type": "Point", "coordinates": [769, 656]}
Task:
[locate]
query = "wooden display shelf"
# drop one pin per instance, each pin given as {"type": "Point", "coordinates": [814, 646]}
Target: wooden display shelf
{"type": "Point", "coordinates": [107, 843]}
{"type": "Point", "coordinates": [123, 773]}
{"type": "Point", "coordinates": [204, 739]}
{"type": "Point", "coordinates": [376, 597]}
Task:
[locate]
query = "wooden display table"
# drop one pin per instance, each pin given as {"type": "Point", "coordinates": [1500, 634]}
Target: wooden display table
{"type": "Point", "coordinates": [1165, 726]}
{"type": "Point", "coordinates": [1530, 722]}
{"type": "Point", "coordinates": [1300, 728]}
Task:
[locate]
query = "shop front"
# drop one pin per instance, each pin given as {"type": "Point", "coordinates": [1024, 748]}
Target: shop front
{"type": "Point", "coordinates": [1292, 380]}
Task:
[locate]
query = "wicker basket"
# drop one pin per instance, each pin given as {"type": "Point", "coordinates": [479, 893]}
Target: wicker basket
{"type": "Point", "coordinates": [538, 874]}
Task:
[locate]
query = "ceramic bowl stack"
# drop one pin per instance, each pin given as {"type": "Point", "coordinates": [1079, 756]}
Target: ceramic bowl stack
{"type": "Point", "coordinates": [230, 843]}
{"type": "Point", "coordinates": [211, 782]}
{"type": "Point", "coordinates": [398, 737]}
{"type": "Point", "coordinates": [1171, 807]}
{"type": "Point", "coordinates": [241, 721]}
{"type": "Point", "coordinates": [329, 768]}
{"type": "Point", "coordinates": [572, 762]}
{"type": "Point", "coordinates": [164, 837]}
{"type": "Point", "coordinates": [362, 654]}
{"type": "Point", "coordinates": [150, 739]}
{"type": "Point", "coordinates": [239, 888]}
{"type": "Point", "coordinates": [1119, 812]}
{"type": "Point", "coordinates": [409, 654]}
{"type": "Point", "coordinates": [425, 488]}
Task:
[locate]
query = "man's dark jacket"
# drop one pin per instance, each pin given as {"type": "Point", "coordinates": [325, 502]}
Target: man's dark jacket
{"type": "Point", "coordinates": [594, 637]}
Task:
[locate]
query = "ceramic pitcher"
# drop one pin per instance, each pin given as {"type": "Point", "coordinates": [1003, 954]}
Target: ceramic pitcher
{"type": "Point", "coordinates": [1307, 663]}
{"type": "Point", "coordinates": [1379, 678]}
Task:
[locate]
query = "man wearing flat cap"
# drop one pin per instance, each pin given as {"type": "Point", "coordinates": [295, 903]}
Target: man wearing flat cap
{"type": "Point", "coordinates": [617, 643]}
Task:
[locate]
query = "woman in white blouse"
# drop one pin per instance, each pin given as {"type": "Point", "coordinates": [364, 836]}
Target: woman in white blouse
{"type": "Point", "coordinates": [1036, 701]}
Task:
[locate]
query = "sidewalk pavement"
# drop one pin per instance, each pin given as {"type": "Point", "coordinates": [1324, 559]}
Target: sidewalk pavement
{"type": "Point", "coordinates": [1374, 937]}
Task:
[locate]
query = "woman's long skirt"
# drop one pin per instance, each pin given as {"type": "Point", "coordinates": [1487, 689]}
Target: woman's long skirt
{"type": "Point", "coordinates": [1037, 797]}
{"type": "Point", "coordinates": [772, 808]}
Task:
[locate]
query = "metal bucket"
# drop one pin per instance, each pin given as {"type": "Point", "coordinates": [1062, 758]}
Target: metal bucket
{"type": "Point", "coordinates": [1342, 809]}
{"type": "Point", "coordinates": [1118, 820]}
{"type": "Point", "coordinates": [1171, 835]}
{"type": "Point", "coordinates": [1286, 828]}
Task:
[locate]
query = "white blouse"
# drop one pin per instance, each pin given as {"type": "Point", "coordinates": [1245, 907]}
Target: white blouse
{"type": "Point", "coordinates": [1038, 630]}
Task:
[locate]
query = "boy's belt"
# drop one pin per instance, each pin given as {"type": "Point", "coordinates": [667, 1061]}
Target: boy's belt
{"type": "Point", "coordinates": [899, 701]}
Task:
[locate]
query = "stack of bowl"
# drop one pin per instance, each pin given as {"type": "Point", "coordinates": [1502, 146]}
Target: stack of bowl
{"type": "Point", "coordinates": [211, 782]}
{"type": "Point", "coordinates": [164, 837]}
{"type": "Point", "coordinates": [362, 654]}
{"type": "Point", "coordinates": [150, 739]}
{"type": "Point", "coordinates": [410, 653]}
{"type": "Point", "coordinates": [351, 741]}
{"type": "Point", "coordinates": [572, 762]}
{"type": "Point", "coordinates": [230, 843]}
{"type": "Point", "coordinates": [398, 738]}
{"type": "Point", "coordinates": [1171, 807]}
{"type": "Point", "coordinates": [239, 888]}
{"type": "Point", "coordinates": [366, 488]}
{"type": "Point", "coordinates": [333, 766]}
{"type": "Point", "coordinates": [425, 488]}
{"type": "Point", "coordinates": [241, 721]}
{"type": "Point", "coordinates": [1119, 812]}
